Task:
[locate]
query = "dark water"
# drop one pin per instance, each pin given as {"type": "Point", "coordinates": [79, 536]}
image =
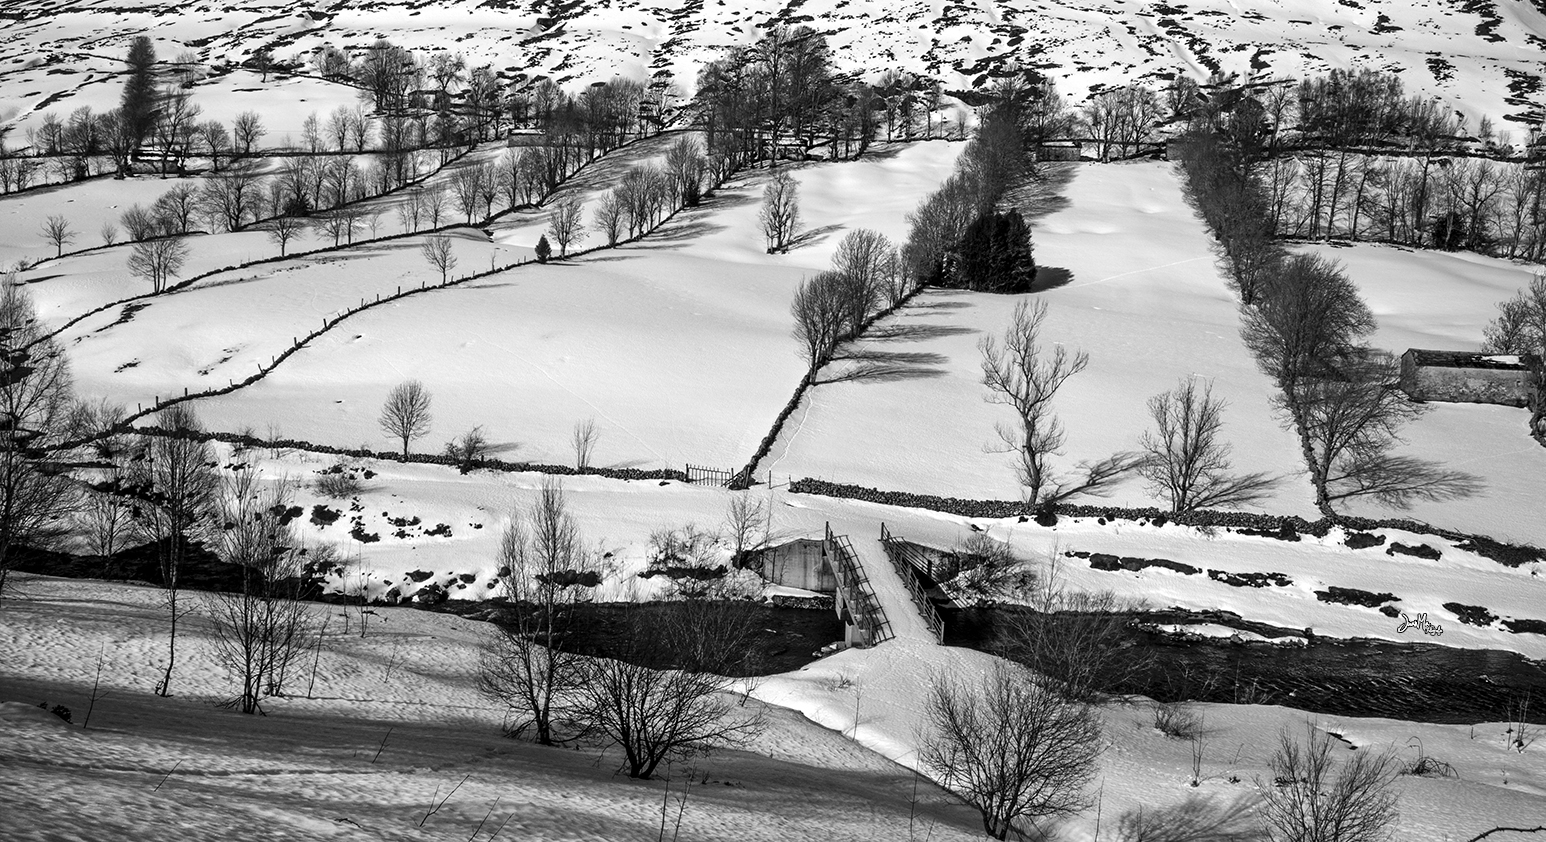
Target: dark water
{"type": "Point", "coordinates": [1421, 682]}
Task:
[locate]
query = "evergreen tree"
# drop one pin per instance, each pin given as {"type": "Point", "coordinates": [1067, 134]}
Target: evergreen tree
{"type": "Point", "coordinates": [544, 249]}
{"type": "Point", "coordinates": [139, 93]}
{"type": "Point", "coordinates": [995, 255]}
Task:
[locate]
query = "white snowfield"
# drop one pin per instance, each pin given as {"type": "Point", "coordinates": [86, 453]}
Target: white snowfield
{"type": "Point", "coordinates": [1129, 278]}
{"type": "Point", "coordinates": [392, 723]}
{"type": "Point", "coordinates": [1477, 57]}
{"type": "Point", "coordinates": [678, 347]}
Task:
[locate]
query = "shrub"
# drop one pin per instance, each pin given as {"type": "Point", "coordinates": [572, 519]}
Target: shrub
{"type": "Point", "coordinates": [468, 449]}
{"type": "Point", "coordinates": [1177, 721]}
{"type": "Point", "coordinates": [57, 710]}
{"type": "Point", "coordinates": [338, 481]}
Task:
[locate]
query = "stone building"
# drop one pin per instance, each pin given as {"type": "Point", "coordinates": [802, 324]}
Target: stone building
{"type": "Point", "coordinates": [1466, 377]}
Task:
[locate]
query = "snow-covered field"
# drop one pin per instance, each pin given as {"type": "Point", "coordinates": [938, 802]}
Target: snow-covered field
{"type": "Point", "coordinates": [393, 723]}
{"type": "Point", "coordinates": [1442, 301]}
{"type": "Point", "coordinates": [1132, 282]}
{"type": "Point", "coordinates": [679, 347]}
{"type": "Point", "coordinates": [1479, 57]}
{"type": "Point", "coordinates": [619, 517]}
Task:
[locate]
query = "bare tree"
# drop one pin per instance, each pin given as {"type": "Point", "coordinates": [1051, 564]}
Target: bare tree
{"type": "Point", "coordinates": [1313, 798]}
{"type": "Point", "coordinates": [780, 213]}
{"type": "Point", "coordinates": [106, 514]}
{"type": "Point", "coordinates": [406, 415]}
{"type": "Point", "coordinates": [685, 167]}
{"type": "Point", "coordinates": [158, 261]}
{"type": "Point", "coordinates": [1186, 461]}
{"type": "Point", "coordinates": [231, 197]}
{"type": "Point", "coordinates": [1352, 422]}
{"type": "Point", "coordinates": [216, 140]}
{"type": "Point", "coordinates": [984, 570]}
{"type": "Point", "coordinates": [608, 217]}
{"type": "Point", "coordinates": [1077, 640]}
{"type": "Point", "coordinates": [435, 204]}
{"type": "Point", "coordinates": [56, 229]}
{"type": "Point", "coordinates": [546, 574]}
{"type": "Point", "coordinates": [36, 393]}
{"type": "Point", "coordinates": [1520, 328]}
{"type": "Point", "coordinates": [260, 630]}
{"type": "Point", "coordinates": [140, 224]}
{"type": "Point", "coordinates": [820, 309]}
{"type": "Point", "coordinates": [658, 714]}
{"type": "Point", "coordinates": [1012, 746]}
{"type": "Point", "coordinates": [411, 208]}
{"type": "Point", "coordinates": [565, 222]}
{"type": "Point", "coordinates": [246, 132]}
{"type": "Point", "coordinates": [467, 188]}
{"type": "Point", "coordinates": [1021, 375]}
{"type": "Point", "coordinates": [748, 526]}
{"type": "Point", "coordinates": [583, 438]}
{"type": "Point", "coordinates": [175, 208]}
{"type": "Point", "coordinates": [175, 484]}
{"type": "Point", "coordinates": [109, 233]}
{"type": "Point", "coordinates": [283, 229]}
{"type": "Point", "coordinates": [437, 250]}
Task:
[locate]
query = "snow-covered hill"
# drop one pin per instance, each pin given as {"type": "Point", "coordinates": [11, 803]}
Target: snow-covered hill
{"type": "Point", "coordinates": [1482, 56]}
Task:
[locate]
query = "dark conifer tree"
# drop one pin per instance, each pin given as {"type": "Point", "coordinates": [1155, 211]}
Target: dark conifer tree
{"type": "Point", "coordinates": [995, 255]}
{"type": "Point", "coordinates": [544, 249]}
{"type": "Point", "coordinates": [139, 93]}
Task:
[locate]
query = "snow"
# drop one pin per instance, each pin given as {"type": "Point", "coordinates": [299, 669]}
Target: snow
{"type": "Point", "coordinates": [679, 347]}
{"type": "Point", "coordinates": [1134, 286]}
{"type": "Point", "coordinates": [1083, 47]}
{"type": "Point", "coordinates": [693, 360]}
{"type": "Point", "coordinates": [1442, 301]}
{"type": "Point", "coordinates": [180, 768]}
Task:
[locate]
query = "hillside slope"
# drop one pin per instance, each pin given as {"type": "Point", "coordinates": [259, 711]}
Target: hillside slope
{"type": "Point", "coordinates": [1481, 55]}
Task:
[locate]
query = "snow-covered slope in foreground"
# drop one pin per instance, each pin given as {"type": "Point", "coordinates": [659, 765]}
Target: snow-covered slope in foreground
{"type": "Point", "coordinates": [179, 768]}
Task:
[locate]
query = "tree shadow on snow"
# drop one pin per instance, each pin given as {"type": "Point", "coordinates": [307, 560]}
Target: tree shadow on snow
{"type": "Point", "coordinates": [870, 365]}
{"type": "Point", "coordinates": [1051, 277]}
{"type": "Point", "coordinates": [916, 332]}
{"type": "Point", "coordinates": [811, 237]}
{"type": "Point", "coordinates": [1044, 194]}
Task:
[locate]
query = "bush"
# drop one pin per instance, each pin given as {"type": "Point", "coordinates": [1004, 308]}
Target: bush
{"type": "Point", "coordinates": [338, 482]}
{"type": "Point", "coordinates": [57, 710]}
{"type": "Point", "coordinates": [469, 449]}
{"type": "Point", "coordinates": [1177, 721]}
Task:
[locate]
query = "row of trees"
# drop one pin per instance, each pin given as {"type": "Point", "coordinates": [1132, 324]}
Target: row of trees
{"type": "Point", "coordinates": [782, 97]}
{"type": "Point", "coordinates": [1451, 203]}
{"type": "Point", "coordinates": [956, 237]}
{"type": "Point", "coordinates": [1308, 328]}
{"type": "Point", "coordinates": [833, 307]}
